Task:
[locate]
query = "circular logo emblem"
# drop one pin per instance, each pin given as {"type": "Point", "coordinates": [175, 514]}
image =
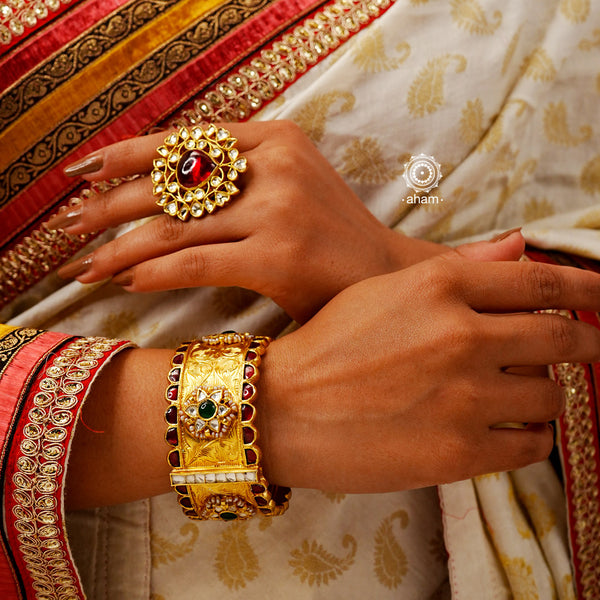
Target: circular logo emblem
{"type": "Point", "coordinates": [422, 173]}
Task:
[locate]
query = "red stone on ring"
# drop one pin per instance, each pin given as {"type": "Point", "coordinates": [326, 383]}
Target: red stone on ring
{"type": "Point", "coordinates": [194, 168]}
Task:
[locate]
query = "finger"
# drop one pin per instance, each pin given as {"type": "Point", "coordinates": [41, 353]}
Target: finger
{"type": "Point", "coordinates": [508, 246]}
{"type": "Point", "coordinates": [127, 202]}
{"type": "Point", "coordinates": [541, 339]}
{"type": "Point", "coordinates": [515, 448]}
{"type": "Point", "coordinates": [526, 400]}
{"type": "Point", "coordinates": [524, 286]}
{"type": "Point", "coordinates": [214, 265]}
{"type": "Point", "coordinates": [136, 155]}
{"type": "Point", "coordinates": [161, 236]}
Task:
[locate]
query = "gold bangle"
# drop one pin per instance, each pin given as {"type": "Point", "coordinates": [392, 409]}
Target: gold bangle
{"type": "Point", "coordinates": [215, 461]}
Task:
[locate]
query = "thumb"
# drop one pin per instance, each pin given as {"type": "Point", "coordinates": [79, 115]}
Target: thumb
{"type": "Point", "coordinates": [506, 246]}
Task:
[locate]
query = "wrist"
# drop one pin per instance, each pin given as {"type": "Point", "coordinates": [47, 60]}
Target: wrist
{"type": "Point", "coordinates": [404, 251]}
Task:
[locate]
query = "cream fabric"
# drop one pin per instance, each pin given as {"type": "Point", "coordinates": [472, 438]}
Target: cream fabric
{"type": "Point", "coordinates": [505, 96]}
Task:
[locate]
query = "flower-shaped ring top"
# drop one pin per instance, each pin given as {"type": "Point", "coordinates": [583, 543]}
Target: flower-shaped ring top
{"type": "Point", "coordinates": [208, 413]}
{"type": "Point", "coordinates": [195, 172]}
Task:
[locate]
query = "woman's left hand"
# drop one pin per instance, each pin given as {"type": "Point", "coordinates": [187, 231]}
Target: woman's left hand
{"type": "Point", "coordinates": [296, 233]}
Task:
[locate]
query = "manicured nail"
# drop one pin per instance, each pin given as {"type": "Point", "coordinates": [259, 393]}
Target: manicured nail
{"type": "Point", "coordinates": [76, 268]}
{"type": "Point", "coordinates": [504, 235]}
{"type": "Point", "coordinates": [123, 279]}
{"type": "Point", "coordinates": [65, 218]}
{"type": "Point", "coordinates": [88, 164]}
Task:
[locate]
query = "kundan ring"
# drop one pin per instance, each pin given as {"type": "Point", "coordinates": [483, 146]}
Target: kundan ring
{"type": "Point", "coordinates": [196, 170]}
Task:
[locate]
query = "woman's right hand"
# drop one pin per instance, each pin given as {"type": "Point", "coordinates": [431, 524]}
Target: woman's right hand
{"type": "Point", "coordinates": [400, 380]}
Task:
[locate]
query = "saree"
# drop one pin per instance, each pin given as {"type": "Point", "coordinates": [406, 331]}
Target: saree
{"type": "Point", "coordinates": [504, 102]}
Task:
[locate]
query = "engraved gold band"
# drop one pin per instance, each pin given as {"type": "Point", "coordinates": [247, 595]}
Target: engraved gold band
{"type": "Point", "coordinates": [215, 460]}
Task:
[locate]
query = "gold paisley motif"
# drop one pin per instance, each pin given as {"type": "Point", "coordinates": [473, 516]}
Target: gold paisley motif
{"type": "Point", "coordinates": [333, 497]}
{"type": "Point", "coordinates": [418, 2]}
{"type": "Point", "coordinates": [537, 209]}
{"type": "Point", "coordinates": [443, 230]}
{"type": "Point", "coordinates": [426, 94]}
{"type": "Point", "coordinates": [556, 128]}
{"type": "Point", "coordinates": [505, 159]}
{"type": "Point", "coordinates": [540, 514]}
{"type": "Point", "coordinates": [391, 564]}
{"type": "Point", "coordinates": [165, 551]}
{"type": "Point", "coordinates": [236, 562]}
{"type": "Point", "coordinates": [365, 162]}
{"type": "Point", "coordinates": [315, 565]}
{"type": "Point", "coordinates": [588, 45]}
{"type": "Point", "coordinates": [590, 176]}
{"type": "Point", "coordinates": [469, 15]}
{"type": "Point", "coordinates": [312, 116]}
{"type": "Point", "coordinates": [370, 56]}
{"type": "Point", "coordinates": [519, 519]}
{"type": "Point", "coordinates": [539, 66]}
{"type": "Point", "coordinates": [437, 548]}
{"type": "Point", "coordinates": [471, 122]}
{"type": "Point", "coordinates": [121, 325]}
{"type": "Point", "coordinates": [510, 50]}
{"type": "Point", "coordinates": [566, 585]}
{"type": "Point", "coordinates": [520, 577]}
{"type": "Point", "coordinates": [591, 220]}
{"type": "Point", "coordinates": [577, 11]}
{"type": "Point", "coordinates": [516, 181]}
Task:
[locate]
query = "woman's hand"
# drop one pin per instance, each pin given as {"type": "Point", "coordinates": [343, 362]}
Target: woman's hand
{"type": "Point", "coordinates": [400, 380]}
{"type": "Point", "coordinates": [296, 233]}
{"type": "Point", "coordinates": [397, 383]}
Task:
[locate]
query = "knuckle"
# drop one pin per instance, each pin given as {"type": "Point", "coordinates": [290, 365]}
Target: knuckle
{"type": "Point", "coordinates": [194, 268]}
{"type": "Point", "coordinates": [563, 337]}
{"type": "Point", "coordinates": [555, 401]}
{"type": "Point", "coordinates": [537, 447]}
{"type": "Point", "coordinates": [170, 230]}
{"type": "Point", "coordinates": [545, 284]}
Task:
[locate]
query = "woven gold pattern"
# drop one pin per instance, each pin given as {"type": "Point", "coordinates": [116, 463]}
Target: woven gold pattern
{"type": "Point", "coordinates": [39, 471]}
{"type": "Point", "coordinates": [16, 16]}
{"type": "Point", "coordinates": [252, 85]}
{"type": "Point", "coordinates": [216, 462]}
{"type": "Point", "coordinates": [584, 463]}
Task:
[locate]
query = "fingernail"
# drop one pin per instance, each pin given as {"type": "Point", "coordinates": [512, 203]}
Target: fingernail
{"type": "Point", "coordinates": [123, 279]}
{"type": "Point", "coordinates": [88, 164]}
{"type": "Point", "coordinates": [66, 218]}
{"type": "Point", "coordinates": [504, 235]}
{"type": "Point", "coordinates": [76, 268]}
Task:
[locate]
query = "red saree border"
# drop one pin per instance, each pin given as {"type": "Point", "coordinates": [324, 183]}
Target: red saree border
{"type": "Point", "coordinates": [579, 445]}
{"type": "Point", "coordinates": [25, 57]}
{"type": "Point", "coordinates": [28, 20]}
{"type": "Point", "coordinates": [151, 109]}
{"type": "Point", "coordinates": [15, 378]}
{"type": "Point", "coordinates": [33, 491]}
{"type": "Point", "coordinates": [239, 93]}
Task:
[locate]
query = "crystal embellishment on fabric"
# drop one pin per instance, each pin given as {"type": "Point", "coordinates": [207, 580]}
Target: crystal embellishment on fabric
{"type": "Point", "coordinates": [193, 173]}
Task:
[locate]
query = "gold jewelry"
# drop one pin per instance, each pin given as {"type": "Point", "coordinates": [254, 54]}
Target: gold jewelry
{"type": "Point", "coordinates": [215, 461]}
{"type": "Point", "coordinates": [195, 172]}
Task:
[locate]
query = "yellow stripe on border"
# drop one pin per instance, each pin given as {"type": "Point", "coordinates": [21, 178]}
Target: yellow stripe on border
{"type": "Point", "coordinates": [57, 106]}
{"type": "Point", "coordinates": [5, 330]}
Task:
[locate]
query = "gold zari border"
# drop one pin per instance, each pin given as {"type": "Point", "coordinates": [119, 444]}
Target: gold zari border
{"type": "Point", "coordinates": [248, 88]}
{"type": "Point", "coordinates": [39, 466]}
{"type": "Point", "coordinates": [584, 462]}
{"type": "Point", "coordinates": [235, 97]}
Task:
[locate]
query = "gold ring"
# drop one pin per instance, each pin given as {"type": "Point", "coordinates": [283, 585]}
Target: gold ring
{"type": "Point", "coordinates": [196, 170]}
